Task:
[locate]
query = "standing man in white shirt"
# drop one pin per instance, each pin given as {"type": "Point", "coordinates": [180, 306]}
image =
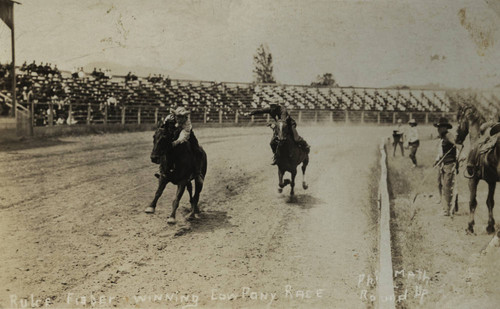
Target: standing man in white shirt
{"type": "Point", "coordinates": [412, 139]}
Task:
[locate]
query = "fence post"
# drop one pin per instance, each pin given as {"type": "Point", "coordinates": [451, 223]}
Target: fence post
{"type": "Point", "coordinates": [236, 117]}
{"type": "Point", "coordinates": [315, 116]}
{"type": "Point", "coordinates": [51, 114]}
{"type": "Point", "coordinates": [252, 119]}
{"type": "Point", "coordinates": [156, 116]}
{"type": "Point", "coordinates": [89, 112]}
{"type": "Point", "coordinates": [139, 115]}
{"type": "Point", "coordinates": [300, 116]}
{"type": "Point", "coordinates": [346, 116]}
{"type": "Point", "coordinates": [394, 117]}
{"type": "Point", "coordinates": [426, 117]}
{"type": "Point", "coordinates": [123, 115]}
{"type": "Point", "coordinates": [32, 115]}
{"type": "Point", "coordinates": [105, 113]}
{"type": "Point", "coordinates": [205, 115]}
{"type": "Point", "coordinates": [378, 118]}
{"type": "Point", "coordinates": [220, 115]}
{"type": "Point", "coordinates": [411, 116]}
{"type": "Point", "coordinates": [331, 116]}
{"type": "Point", "coordinates": [362, 116]}
{"type": "Point", "coordinates": [268, 118]}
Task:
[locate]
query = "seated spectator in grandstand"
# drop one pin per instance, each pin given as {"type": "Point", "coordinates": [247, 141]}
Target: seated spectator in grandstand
{"type": "Point", "coordinates": [81, 74]}
{"type": "Point", "coordinates": [24, 67]}
{"type": "Point", "coordinates": [94, 73]}
{"type": "Point", "coordinates": [397, 135]}
{"type": "Point", "coordinates": [60, 120]}
{"type": "Point", "coordinates": [74, 72]}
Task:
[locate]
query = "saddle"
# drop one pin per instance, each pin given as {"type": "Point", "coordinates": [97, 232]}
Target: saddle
{"type": "Point", "coordinates": [484, 146]}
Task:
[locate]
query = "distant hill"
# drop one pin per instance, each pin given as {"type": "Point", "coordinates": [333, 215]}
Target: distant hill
{"type": "Point", "coordinates": [141, 71]}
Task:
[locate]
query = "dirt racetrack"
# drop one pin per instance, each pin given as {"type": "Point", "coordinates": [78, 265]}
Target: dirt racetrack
{"type": "Point", "coordinates": [73, 224]}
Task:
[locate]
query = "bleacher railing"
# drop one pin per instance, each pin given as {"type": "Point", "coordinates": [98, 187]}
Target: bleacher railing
{"type": "Point", "coordinates": [50, 114]}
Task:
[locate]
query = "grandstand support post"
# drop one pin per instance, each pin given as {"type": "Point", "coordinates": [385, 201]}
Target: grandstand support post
{"type": "Point", "coordinates": [236, 117]}
{"type": "Point", "coordinates": [105, 113]}
{"type": "Point", "coordinates": [331, 116]}
{"type": "Point", "coordinates": [378, 118]}
{"type": "Point", "coordinates": [14, 107]}
{"type": "Point", "coordinates": [89, 112]}
{"type": "Point", "coordinates": [426, 117]}
{"type": "Point", "coordinates": [156, 116]}
{"type": "Point", "coordinates": [51, 114]}
{"type": "Point", "coordinates": [139, 115]}
{"type": "Point", "coordinates": [315, 116]}
{"type": "Point", "coordinates": [220, 115]}
{"type": "Point", "coordinates": [205, 115]}
{"type": "Point", "coordinates": [300, 117]}
{"type": "Point", "coordinates": [32, 114]}
{"type": "Point", "coordinates": [362, 116]}
{"type": "Point", "coordinates": [70, 111]}
{"type": "Point", "coordinates": [123, 115]}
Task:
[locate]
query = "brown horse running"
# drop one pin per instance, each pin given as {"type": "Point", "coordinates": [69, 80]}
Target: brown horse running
{"type": "Point", "coordinates": [177, 165]}
{"type": "Point", "coordinates": [469, 123]}
{"type": "Point", "coordinates": [288, 156]}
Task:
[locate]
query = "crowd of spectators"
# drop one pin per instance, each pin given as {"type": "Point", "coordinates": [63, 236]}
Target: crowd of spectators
{"type": "Point", "coordinates": [34, 69]}
{"type": "Point", "coordinates": [102, 96]}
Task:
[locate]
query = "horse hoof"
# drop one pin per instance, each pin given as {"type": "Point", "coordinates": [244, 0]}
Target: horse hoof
{"type": "Point", "coordinates": [171, 221]}
{"type": "Point", "coordinates": [150, 210]}
{"type": "Point", "coordinates": [490, 229]}
{"type": "Point", "coordinates": [196, 216]}
{"type": "Point", "coordinates": [280, 190]}
{"type": "Point", "coordinates": [469, 231]}
{"type": "Point", "coordinates": [190, 217]}
{"type": "Point", "coordinates": [305, 186]}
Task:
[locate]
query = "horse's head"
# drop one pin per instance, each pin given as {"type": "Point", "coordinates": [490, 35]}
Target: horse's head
{"type": "Point", "coordinates": [162, 140]}
{"type": "Point", "coordinates": [281, 130]}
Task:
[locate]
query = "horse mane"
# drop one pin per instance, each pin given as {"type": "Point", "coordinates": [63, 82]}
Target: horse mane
{"type": "Point", "coordinates": [476, 110]}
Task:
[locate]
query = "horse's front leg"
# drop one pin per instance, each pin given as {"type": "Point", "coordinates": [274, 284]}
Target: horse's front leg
{"type": "Point", "coordinates": [472, 203]}
{"type": "Point", "coordinates": [175, 204]}
{"type": "Point", "coordinates": [490, 202]}
{"type": "Point", "coordinates": [162, 182]}
{"type": "Point", "coordinates": [292, 182]}
{"type": "Point", "coordinates": [280, 180]}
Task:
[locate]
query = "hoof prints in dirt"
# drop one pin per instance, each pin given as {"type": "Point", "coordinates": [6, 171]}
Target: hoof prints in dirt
{"type": "Point", "coordinates": [305, 201]}
{"type": "Point", "coordinates": [209, 221]}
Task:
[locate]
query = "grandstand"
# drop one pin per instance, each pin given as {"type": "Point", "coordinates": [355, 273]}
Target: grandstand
{"type": "Point", "coordinates": [65, 98]}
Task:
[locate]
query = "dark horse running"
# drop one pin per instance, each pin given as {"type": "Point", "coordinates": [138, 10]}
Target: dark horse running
{"type": "Point", "coordinates": [183, 161]}
{"type": "Point", "coordinates": [288, 156]}
{"type": "Point", "coordinates": [469, 122]}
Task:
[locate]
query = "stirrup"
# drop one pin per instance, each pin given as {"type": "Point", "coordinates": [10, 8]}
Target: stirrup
{"type": "Point", "coordinates": [467, 174]}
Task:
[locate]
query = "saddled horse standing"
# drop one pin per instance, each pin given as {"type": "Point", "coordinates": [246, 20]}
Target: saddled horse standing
{"type": "Point", "coordinates": [177, 165]}
{"type": "Point", "coordinates": [288, 156]}
{"type": "Point", "coordinates": [470, 122]}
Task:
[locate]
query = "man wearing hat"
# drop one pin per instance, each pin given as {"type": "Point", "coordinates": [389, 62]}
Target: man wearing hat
{"type": "Point", "coordinates": [412, 139]}
{"type": "Point", "coordinates": [277, 111]}
{"type": "Point", "coordinates": [446, 162]}
{"type": "Point", "coordinates": [186, 134]}
{"type": "Point", "coordinates": [397, 135]}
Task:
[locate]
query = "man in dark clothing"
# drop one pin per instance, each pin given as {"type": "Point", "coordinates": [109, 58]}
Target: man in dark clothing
{"type": "Point", "coordinates": [447, 160]}
{"type": "Point", "coordinates": [277, 111]}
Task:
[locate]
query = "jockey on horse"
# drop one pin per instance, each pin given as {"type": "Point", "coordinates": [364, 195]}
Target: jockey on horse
{"type": "Point", "coordinates": [186, 134]}
{"type": "Point", "coordinates": [278, 111]}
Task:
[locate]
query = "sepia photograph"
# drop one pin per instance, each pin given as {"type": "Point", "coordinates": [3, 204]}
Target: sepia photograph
{"type": "Point", "coordinates": [249, 154]}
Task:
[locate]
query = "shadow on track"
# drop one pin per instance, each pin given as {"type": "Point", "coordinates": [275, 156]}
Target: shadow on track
{"type": "Point", "coordinates": [304, 201]}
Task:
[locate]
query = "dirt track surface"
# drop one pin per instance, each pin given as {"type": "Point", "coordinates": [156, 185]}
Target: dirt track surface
{"type": "Point", "coordinates": [72, 221]}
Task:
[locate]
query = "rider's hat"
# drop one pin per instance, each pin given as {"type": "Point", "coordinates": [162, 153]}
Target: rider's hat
{"type": "Point", "coordinates": [443, 122]}
{"type": "Point", "coordinates": [181, 111]}
{"type": "Point", "coordinates": [412, 121]}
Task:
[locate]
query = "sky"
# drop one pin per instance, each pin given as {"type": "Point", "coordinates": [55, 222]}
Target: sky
{"type": "Point", "coordinates": [375, 43]}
